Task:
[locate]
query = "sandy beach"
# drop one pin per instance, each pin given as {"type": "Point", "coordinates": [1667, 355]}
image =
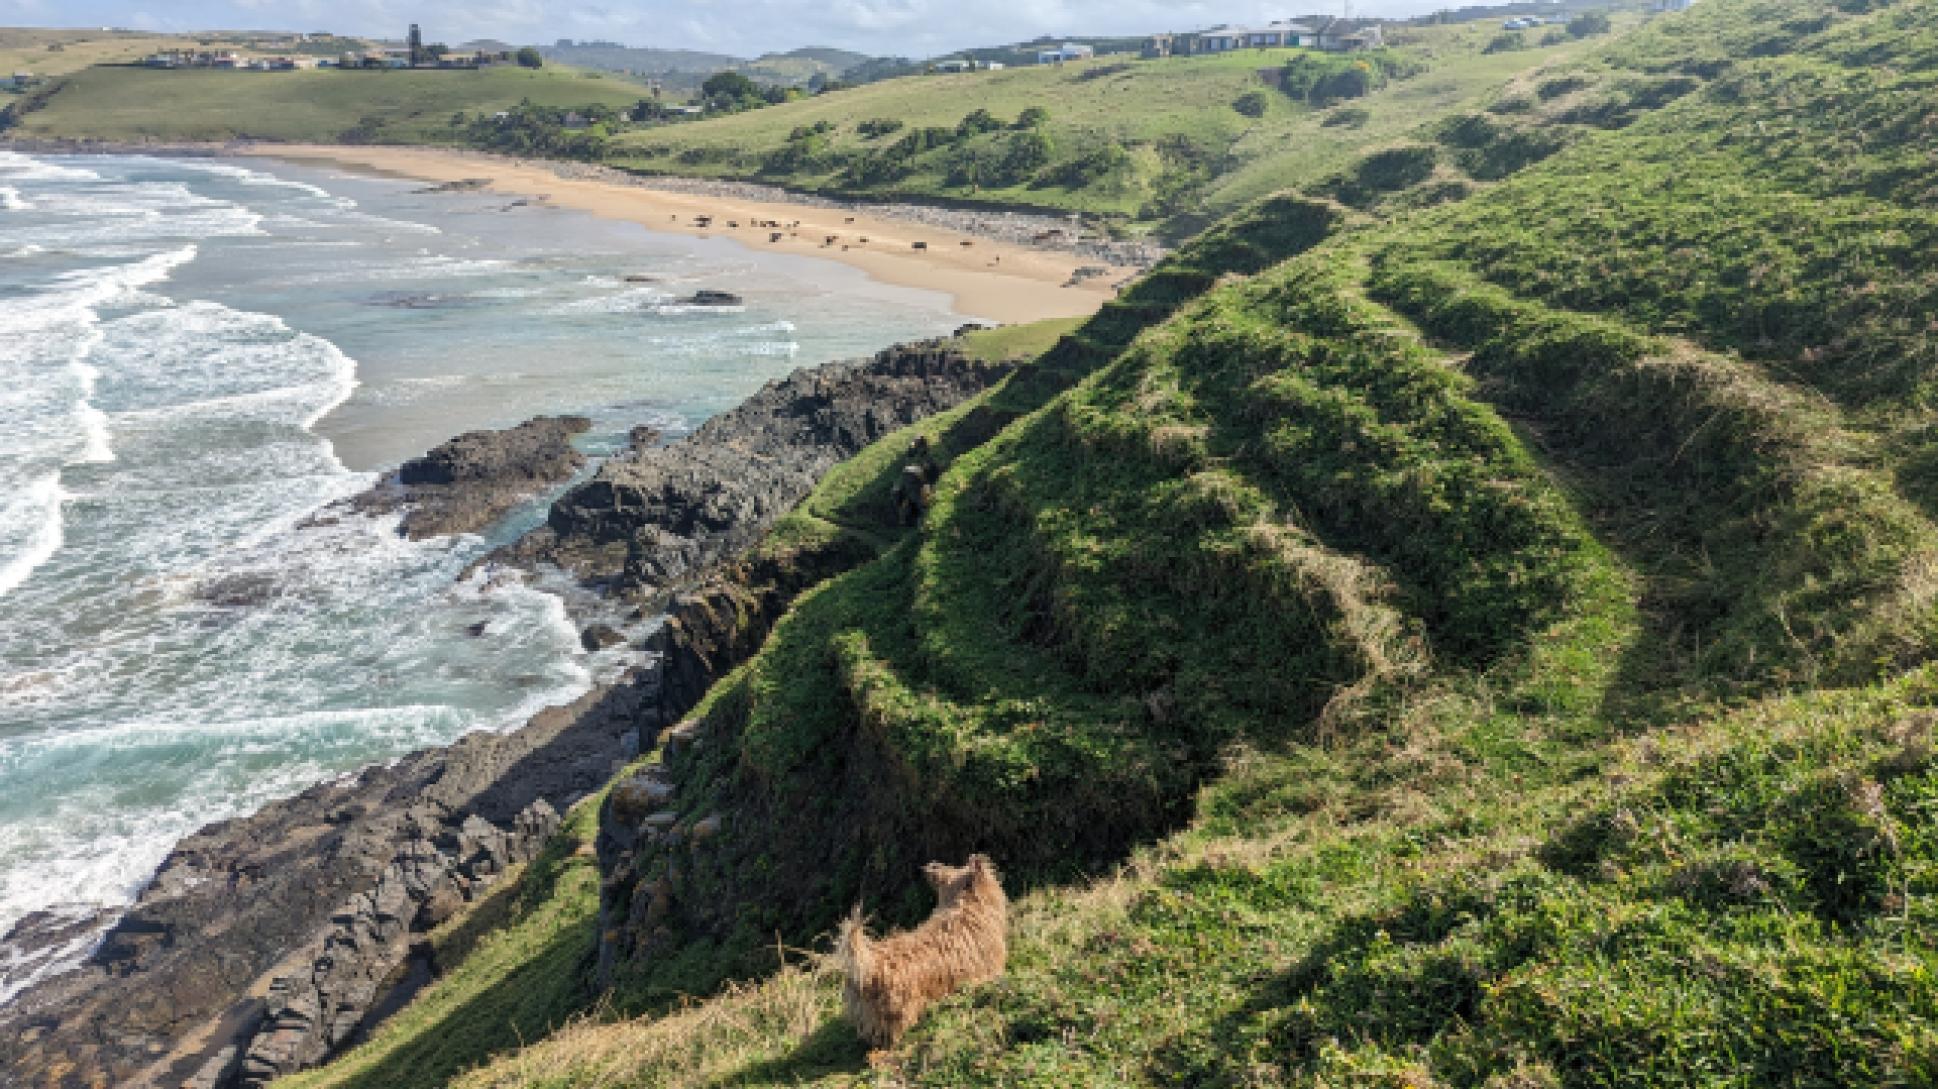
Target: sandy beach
{"type": "Point", "coordinates": [988, 279]}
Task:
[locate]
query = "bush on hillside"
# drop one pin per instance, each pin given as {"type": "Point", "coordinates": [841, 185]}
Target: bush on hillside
{"type": "Point", "coordinates": [1321, 79]}
{"type": "Point", "coordinates": [530, 58]}
{"type": "Point", "coordinates": [1588, 23]}
{"type": "Point", "coordinates": [1027, 152]}
{"type": "Point", "coordinates": [1251, 104]}
{"type": "Point", "coordinates": [977, 123]}
{"type": "Point", "coordinates": [1096, 166]}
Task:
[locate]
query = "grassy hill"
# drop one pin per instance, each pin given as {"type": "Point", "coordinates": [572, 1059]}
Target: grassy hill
{"type": "Point", "coordinates": [58, 52]}
{"type": "Point", "coordinates": [1476, 614]}
{"type": "Point", "coordinates": [133, 104]}
{"type": "Point", "coordinates": [683, 70]}
{"type": "Point", "coordinates": [1169, 144]}
{"type": "Point", "coordinates": [1186, 144]}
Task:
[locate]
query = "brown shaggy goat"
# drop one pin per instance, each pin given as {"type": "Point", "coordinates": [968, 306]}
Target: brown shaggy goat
{"type": "Point", "coordinates": [892, 980]}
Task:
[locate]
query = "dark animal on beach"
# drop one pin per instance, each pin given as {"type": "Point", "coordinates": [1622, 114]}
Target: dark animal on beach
{"type": "Point", "coordinates": [891, 980]}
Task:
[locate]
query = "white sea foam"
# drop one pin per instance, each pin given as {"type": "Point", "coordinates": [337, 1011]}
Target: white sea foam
{"type": "Point", "coordinates": [12, 201]}
{"type": "Point", "coordinates": [30, 529]}
{"type": "Point", "coordinates": [629, 301]}
{"type": "Point", "coordinates": [678, 309]}
{"type": "Point", "coordinates": [423, 268]}
{"type": "Point", "coordinates": [18, 167]}
{"type": "Point", "coordinates": [264, 180]}
{"type": "Point", "coordinates": [97, 447]}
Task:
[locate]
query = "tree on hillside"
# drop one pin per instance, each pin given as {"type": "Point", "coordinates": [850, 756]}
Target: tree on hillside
{"type": "Point", "coordinates": [729, 85]}
{"type": "Point", "coordinates": [976, 123]}
{"type": "Point", "coordinates": [528, 58]}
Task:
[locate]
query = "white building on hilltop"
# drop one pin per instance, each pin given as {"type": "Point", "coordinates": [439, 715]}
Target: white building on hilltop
{"type": "Point", "coordinates": [1071, 51]}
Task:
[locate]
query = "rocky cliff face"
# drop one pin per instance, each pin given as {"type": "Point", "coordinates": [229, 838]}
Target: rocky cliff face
{"type": "Point", "coordinates": [655, 519]}
{"type": "Point", "coordinates": [475, 479]}
{"type": "Point", "coordinates": [264, 943]}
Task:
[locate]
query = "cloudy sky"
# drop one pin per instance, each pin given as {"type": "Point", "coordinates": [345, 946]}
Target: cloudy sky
{"type": "Point", "coordinates": [905, 27]}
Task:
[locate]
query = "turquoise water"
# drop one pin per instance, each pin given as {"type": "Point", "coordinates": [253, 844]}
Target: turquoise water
{"type": "Point", "coordinates": [196, 356]}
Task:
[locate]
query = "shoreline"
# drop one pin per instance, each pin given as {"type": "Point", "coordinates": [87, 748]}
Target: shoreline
{"type": "Point", "coordinates": [347, 877]}
{"type": "Point", "coordinates": [985, 278]}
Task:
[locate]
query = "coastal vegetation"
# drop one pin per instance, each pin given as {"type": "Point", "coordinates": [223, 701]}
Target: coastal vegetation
{"type": "Point", "coordinates": [1466, 621]}
{"type": "Point", "coordinates": [133, 104]}
{"type": "Point", "coordinates": [1140, 142]}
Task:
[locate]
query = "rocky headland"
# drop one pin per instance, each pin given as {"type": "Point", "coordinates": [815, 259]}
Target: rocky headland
{"type": "Point", "coordinates": [474, 480]}
{"type": "Point", "coordinates": [653, 520]}
{"type": "Point", "coordinates": [264, 945]}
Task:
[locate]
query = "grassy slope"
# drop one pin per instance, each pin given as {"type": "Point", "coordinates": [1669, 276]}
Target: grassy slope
{"type": "Point", "coordinates": [1501, 634]}
{"type": "Point", "coordinates": [116, 103]}
{"type": "Point", "coordinates": [1126, 101]}
{"type": "Point", "coordinates": [24, 49]}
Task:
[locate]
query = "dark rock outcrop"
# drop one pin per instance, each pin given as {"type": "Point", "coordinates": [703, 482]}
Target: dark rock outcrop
{"type": "Point", "coordinates": [478, 477]}
{"type": "Point", "coordinates": [313, 1011]}
{"type": "Point", "coordinates": [263, 943]}
{"type": "Point", "coordinates": [653, 520]}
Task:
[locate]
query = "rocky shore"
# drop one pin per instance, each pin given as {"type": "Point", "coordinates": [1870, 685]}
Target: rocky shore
{"type": "Point", "coordinates": [656, 518]}
{"type": "Point", "coordinates": [265, 945]}
{"type": "Point", "coordinates": [262, 944]}
{"type": "Point", "coordinates": [477, 478]}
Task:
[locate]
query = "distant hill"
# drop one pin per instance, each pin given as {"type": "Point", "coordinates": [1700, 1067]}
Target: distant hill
{"type": "Point", "coordinates": [319, 105]}
{"type": "Point", "coordinates": [57, 52]}
{"type": "Point", "coordinates": [683, 70]}
{"type": "Point", "coordinates": [614, 57]}
{"type": "Point", "coordinates": [837, 59]}
{"type": "Point", "coordinates": [1021, 53]}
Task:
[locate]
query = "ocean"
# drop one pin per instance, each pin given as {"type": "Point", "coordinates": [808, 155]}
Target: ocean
{"type": "Point", "coordinates": [196, 356]}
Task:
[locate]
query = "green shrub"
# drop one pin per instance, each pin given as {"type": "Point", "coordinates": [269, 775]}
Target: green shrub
{"type": "Point", "coordinates": [1251, 104]}
{"type": "Point", "coordinates": [976, 123]}
{"type": "Point", "coordinates": [1588, 23]}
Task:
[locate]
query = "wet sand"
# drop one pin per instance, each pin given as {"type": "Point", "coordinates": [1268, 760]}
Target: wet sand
{"type": "Point", "coordinates": [992, 280]}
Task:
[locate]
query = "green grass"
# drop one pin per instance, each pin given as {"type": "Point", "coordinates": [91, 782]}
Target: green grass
{"type": "Point", "coordinates": [58, 52]}
{"type": "Point", "coordinates": [1190, 153]}
{"type": "Point", "coordinates": [321, 106]}
{"type": "Point", "coordinates": [1478, 614]}
{"type": "Point", "coordinates": [1018, 342]}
